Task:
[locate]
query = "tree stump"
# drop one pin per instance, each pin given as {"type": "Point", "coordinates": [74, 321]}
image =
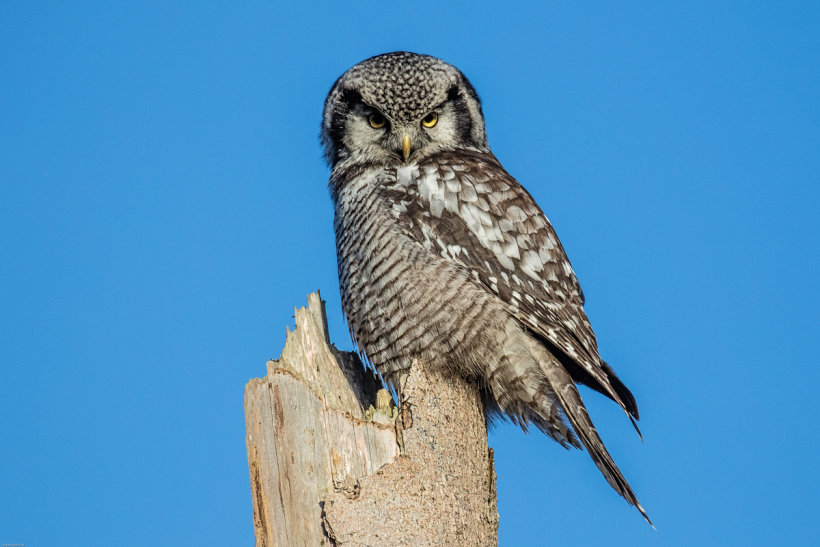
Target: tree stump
{"type": "Point", "coordinates": [333, 462]}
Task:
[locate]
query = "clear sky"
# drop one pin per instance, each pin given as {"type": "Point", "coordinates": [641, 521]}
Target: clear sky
{"type": "Point", "coordinates": [163, 206]}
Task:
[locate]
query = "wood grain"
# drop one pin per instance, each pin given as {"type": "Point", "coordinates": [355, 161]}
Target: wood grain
{"type": "Point", "coordinates": [333, 462]}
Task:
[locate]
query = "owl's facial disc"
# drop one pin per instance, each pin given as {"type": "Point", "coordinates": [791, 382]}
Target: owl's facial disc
{"type": "Point", "coordinates": [372, 136]}
{"type": "Point", "coordinates": [398, 108]}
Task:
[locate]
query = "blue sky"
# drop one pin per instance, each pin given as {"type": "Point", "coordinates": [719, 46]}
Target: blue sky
{"type": "Point", "coordinates": [163, 206]}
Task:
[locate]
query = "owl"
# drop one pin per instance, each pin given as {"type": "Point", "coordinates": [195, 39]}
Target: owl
{"type": "Point", "coordinates": [444, 257]}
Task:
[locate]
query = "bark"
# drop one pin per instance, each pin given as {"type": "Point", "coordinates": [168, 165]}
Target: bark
{"type": "Point", "coordinates": [333, 462]}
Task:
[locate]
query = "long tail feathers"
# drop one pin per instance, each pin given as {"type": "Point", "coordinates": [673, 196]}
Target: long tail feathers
{"type": "Point", "coordinates": [570, 400]}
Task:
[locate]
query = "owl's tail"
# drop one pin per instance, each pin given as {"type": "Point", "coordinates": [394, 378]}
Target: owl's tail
{"type": "Point", "coordinates": [570, 401]}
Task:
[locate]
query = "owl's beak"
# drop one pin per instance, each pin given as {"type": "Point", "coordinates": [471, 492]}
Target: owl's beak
{"type": "Point", "coordinates": [405, 147]}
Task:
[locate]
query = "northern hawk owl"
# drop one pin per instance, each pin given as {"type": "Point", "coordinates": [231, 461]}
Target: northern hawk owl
{"type": "Point", "coordinates": [445, 257]}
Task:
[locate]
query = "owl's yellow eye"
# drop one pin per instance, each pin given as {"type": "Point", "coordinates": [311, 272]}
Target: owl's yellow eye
{"type": "Point", "coordinates": [429, 120]}
{"type": "Point", "coordinates": [376, 120]}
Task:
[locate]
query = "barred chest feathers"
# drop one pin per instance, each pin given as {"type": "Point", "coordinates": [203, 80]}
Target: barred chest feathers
{"type": "Point", "coordinates": [403, 299]}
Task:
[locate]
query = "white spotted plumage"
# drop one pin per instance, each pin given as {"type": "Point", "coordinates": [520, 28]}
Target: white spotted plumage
{"type": "Point", "coordinates": [445, 257]}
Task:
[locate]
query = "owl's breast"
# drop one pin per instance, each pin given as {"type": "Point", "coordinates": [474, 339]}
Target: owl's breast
{"type": "Point", "coordinates": [401, 300]}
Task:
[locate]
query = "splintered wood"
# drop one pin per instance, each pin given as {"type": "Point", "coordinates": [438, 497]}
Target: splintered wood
{"type": "Point", "coordinates": [333, 462]}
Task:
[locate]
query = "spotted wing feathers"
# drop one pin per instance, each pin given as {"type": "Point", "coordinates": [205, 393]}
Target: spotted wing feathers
{"type": "Point", "coordinates": [468, 209]}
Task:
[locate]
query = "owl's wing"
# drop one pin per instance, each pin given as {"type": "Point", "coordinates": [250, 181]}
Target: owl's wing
{"type": "Point", "coordinates": [467, 209]}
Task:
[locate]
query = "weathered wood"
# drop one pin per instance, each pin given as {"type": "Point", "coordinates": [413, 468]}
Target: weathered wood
{"type": "Point", "coordinates": [329, 468]}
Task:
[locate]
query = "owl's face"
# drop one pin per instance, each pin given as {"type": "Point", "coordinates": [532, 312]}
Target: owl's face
{"type": "Point", "coordinates": [400, 107]}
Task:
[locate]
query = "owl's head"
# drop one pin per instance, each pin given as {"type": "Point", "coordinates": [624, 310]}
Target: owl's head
{"type": "Point", "coordinates": [400, 107]}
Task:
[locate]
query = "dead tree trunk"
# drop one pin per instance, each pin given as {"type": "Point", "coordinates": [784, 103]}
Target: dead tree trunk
{"type": "Point", "coordinates": [333, 462]}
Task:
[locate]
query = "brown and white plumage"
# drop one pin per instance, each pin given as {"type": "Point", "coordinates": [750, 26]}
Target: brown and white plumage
{"type": "Point", "coordinates": [445, 257]}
